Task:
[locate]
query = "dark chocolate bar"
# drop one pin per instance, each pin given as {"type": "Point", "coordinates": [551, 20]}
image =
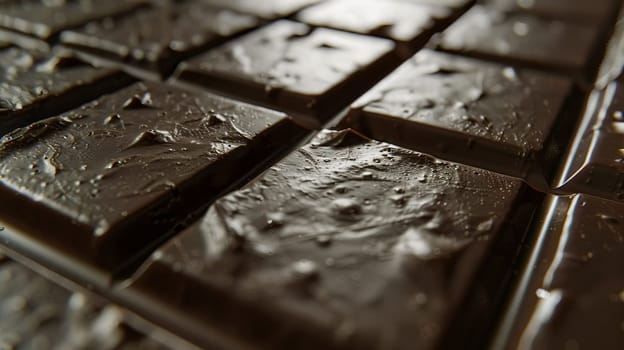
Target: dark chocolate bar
{"type": "Point", "coordinates": [517, 38]}
{"type": "Point", "coordinates": [44, 19]}
{"type": "Point", "coordinates": [405, 22]}
{"type": "Point", "coordinates": [483, 114]}
{"type": "Point", "coordinates": [571, 290]}
{"type": "Point", "coordinates": [34, 85]}
{"type": "Point", "coordinates": [292, 66]}
{"type": "Point", "coordinates": [595, 164]}
{"type": "Point", "coordinates": [115, 177]}
{"type": "Point", "coordinates": [347, 243]}
{"type": "Point", "coordinates": [157, 38]}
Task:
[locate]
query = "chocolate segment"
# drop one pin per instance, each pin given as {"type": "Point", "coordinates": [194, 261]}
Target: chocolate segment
{"type": "Point", "coordinates": [470, 111]}
{"type": "Point", "coordinates": [401, 21]}
{"type": "Point", "coordinates": [337, 236]}
{"type": "Point", "coordinates": [292, 66]}
{"type": "Point", "coordinates": [158, 37]}
{"type": "Point", "coordinates": [268, 9]}
{"type": "Point", "coordinates": [595, 164]}
{"type": "Point", "coordinates": [35, 85]}
{"type": "Point", "coordinates": [522, 39]}
{"type": "Point", "coordinates": [572, 290]}
{"type": "Point", "coordinates": [111, 179]}
{"type": "Point", "coordinates": [44, 19]}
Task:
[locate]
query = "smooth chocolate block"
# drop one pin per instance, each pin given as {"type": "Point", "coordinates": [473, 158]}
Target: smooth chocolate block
{"type": "Point", "coordinates": [597, 11]}
{"type": "Point", "coordinates": [38, 314]}
{"type": "Point", "coordinates": [522, 39]}
{"type": "Point", "coordinates": [34, 85]}
{"type": "Point", "coordinates": [267, 9]}
{"type": "Point", "coordinates": [401, 21]}
{"type": "Point", "coordinates": [595, 164]}
{"type": "Point", "coordinates": [158, 37]}
{"type": "Point", "coordinates": [44, 19]}
{"type": "Point", "coordinates": [341, 234]}
{"type": "Point", "coordinates": [111, 179]}
{"type": "Point", "coordinates": [469, 111]}
{"type": "Point", "coordinates": [289, 65]}
{"type": "Point", "coordinates": [571, 294]}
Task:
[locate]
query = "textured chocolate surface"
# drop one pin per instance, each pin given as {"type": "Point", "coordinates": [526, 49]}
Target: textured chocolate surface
{"type": "Point", "coordinates": [34, 85]}
{"type": "Point", "coordinates": [268, 9]}
{"type": "Point", "coordinates": [44, 19]}
{"type": "Point", "coordinates": [467, 110]}
{"type": "Point", "coordinates": [596, 164]}
{"type": "Point", "coordinates": [573, 291]}
{"type": "Point", "coordinates": [37, 314]}
{"type": "Point", "coordinates": [291, 65]}
{"type": "Point", "coordinates": [522, 39]}
{"type": "Point", "coordinates": [573, 10]}
{"type": "Point", "coordinates": [115, 175]}
{"type": "Point", "coordinates": [338, 234]}
{"type": "Point", "coordinates": [157, 37]}
{"type": "Point", "coordinates": [398, 20]}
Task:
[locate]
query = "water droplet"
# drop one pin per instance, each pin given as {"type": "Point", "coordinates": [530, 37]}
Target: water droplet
{"type": "Point", "coordinates": [138, 101]}
{"type": "Point", "coordinates": [398, 200]}
{"type": "Point", "coordinates": [510, 73]}
{"type": "Point", "coordinates": [152, 137]}
{"type": "Point", "coordinates": [618, 115]}
{"type": "Point", "coordinates": [346, 207]}
{"type": "Point", "coordinates": [274, 220]}
{"type": "Point", "coordinates": [113, 118]}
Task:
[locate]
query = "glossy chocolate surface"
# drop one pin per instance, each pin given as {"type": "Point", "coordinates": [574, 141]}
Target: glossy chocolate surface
{"type": "Point", "coordinates": [157, 37]}
{"type": "Point", "coordinates": [573, 295]}
{"type": "Point", "coordinates": [116, 175]}
{"type": "Point", "coordinates": [469, 111]}
{"type": "Point", "coordinates": [340, 233]}
{"type": "Point", "coordinates": [290, 65]}
{"type": "Point", "coordinates": [521, 39]}
{"type": "Point", "coordinates": [596, 164]}
{"type": "Point", "coordinates": [398, 20]}
{"type": "Point", "coordinates": [44, 19]}
{"type": "Point", "coordinates": [35, 85]}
